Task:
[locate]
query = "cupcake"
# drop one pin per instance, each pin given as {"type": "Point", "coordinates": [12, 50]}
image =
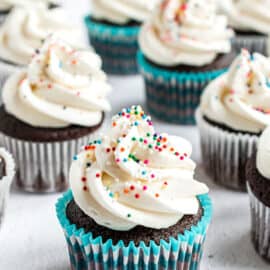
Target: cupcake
{"type": "Point", "coordinates": [258, 181]}
{"type": "Point", "coordinates": [7, 5]}
{"type": "Point", "coordinates": [49, 110]}
{"type": "Point", "coordinates": [23, 32]}
{"type": "Point", "coordinates": [234, 110]}
{"type": "Point", "coordinates": [183, 47]}
{"type": "Point", "coordinates": [113, 28]}
{"type": "Point", "coordinates": [7, 171]}
{"type": "Point", "coordinates": [134, 203]}
{"type": "Point", "coordinates": [251, 22]}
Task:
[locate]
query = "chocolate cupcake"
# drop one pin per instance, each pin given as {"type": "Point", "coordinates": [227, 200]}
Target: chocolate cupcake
{"type": "Point", "coordinates": [23, 32]}
{"type": "Point", "coordinates": [251, 22]}
{"type": "Point", "coordinates": [234, 110]}
{"type": "Point", "coordinates": [134, 202]}
{"type": "Point", "coordinates": [50, 110]}
{"type": "Point", "coordinates": [7, 171]}
{"type": "Point", "coordinates": [113, 28]}
{"type": "Point", "coordinates": [258, 181]}
{"type": "Point", "coordinates": [183, 46]}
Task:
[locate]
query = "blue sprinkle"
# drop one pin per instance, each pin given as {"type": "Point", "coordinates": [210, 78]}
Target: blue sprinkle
{"type": "Point", "coordinates": [267, 83]}
{"type": "Point", "coordinates": [75, 158]}
{"type": "Point", "coordinates": [136, 123]}
{"type": "Point", "coordinates": [125, 160]}
{"type": "Point", "coordinates": [143, 172]}
{"type": "Point", "coordinates": [111, 194]}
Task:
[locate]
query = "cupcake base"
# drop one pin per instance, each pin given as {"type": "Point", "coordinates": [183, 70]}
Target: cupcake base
{"type": "Point", "coordinates": [251, 41]}
{"type": "Point", "coordinates": [225, 153]}
{"type": "Point", "coordinates": [43, 156]}
{"type": "Point", "coordinates": [117, 46]}
{"type": "Point", "coordinates": [77, 217]}
{"type": "Point", "coordinates": [88, 252]}
{"type": "Point", "coordinates": [260, 230]}
{"type": "Point", "coordinates": [174, 95]}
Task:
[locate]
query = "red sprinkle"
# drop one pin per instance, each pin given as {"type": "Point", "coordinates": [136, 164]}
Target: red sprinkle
{"type": "Point", "coordinates": [84, 179]}
{"type": "Point", "coordinates": [97, 175]}
{"type": "Point", "coordinates": [137, 196]}
{"type": "Point", "coordinates": [132, 187]}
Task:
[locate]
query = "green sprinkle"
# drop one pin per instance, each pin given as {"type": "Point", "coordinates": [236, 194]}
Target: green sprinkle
{"type": "Point", "coordinates": [141, 139]}
{"type": "Point", "coordinates": [128, 215]}
{"type": "Point", "coordinates": [148, 134]}
{"type": "Point", "coordinates": [150, 146]}
{"type": "Point", "coordinates": [133, 139]}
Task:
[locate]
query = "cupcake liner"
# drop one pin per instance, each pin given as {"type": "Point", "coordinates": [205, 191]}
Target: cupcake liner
{"type": "Point", "coordinates": [87, 252]}
{"type": "Point", "coordinates": [225, 154]}
{"type": "Point", "coordinates": [43, 166]}
{"type": "Point", "coordinates": [5, 71]}
{"type": "Point", "coordinates": [260, 230]}
{"type": "Point", "coordinates": [173, 96]}
{"type": "Point", "coordinates": [5, 182]}
{"type": "Point", "coordinates": [3, 16]}
{"type": "Point", "coordinates": [116, 45]}
{"type": "Point", "coordinates": [251, 43]}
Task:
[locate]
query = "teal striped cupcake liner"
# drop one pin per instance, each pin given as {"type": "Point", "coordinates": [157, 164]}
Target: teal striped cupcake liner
{"type": "Point", "coordinates": [116, 45]}
{"type": "Point", "coordinates": [87, 252]}
{"type": "Point", "coordinates": [173, 96]}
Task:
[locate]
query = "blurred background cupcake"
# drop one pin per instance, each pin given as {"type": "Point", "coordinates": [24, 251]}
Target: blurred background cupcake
{"type": "Point", "coordinates": [234, 110]}
{"type": "Point", "coordinates": [7, 5]}
{"type": "Point", "coordinates": [258, 178]}
{"type": "Point", "coordinates": [50, 110]}
{"type": "Point", "coordinates": [251, 22]}
{"type": "Point", "coordinates": [183, 47]}
{"type": "Point", "coordinates": [113, 28]}
{"type": "Point", "coordinates": [7, 171]}
{"type": "Point", "coordinates": [134, 202]}
{"type": "Point", "coordinates": [24, 30]}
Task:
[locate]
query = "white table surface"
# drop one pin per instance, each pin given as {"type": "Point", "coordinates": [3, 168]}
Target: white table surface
{"type": "Point", "coordinates": [31, 238]}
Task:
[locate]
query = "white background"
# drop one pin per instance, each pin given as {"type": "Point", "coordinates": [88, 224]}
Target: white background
{"type": "Point", "coordinates": [31, 237]}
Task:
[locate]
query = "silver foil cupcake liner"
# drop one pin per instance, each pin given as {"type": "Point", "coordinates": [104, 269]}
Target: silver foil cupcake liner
{"type": "Point", "coordinates": [5, 182]}
{"type": "Point", "coordinates": [43, 166]}
{"type": "Point", "coordinates": [5, 71]}
{"type": "Point", "coordinates": [251, 43]}
{"type": "Point", "coordinates": [260, 228]}
{"type": "Point", "coordinates": [225, 154]}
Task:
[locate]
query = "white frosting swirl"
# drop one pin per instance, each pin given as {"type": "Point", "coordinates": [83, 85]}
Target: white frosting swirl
{"type": "Point", "coordinates": [26, 27]}
{"type": "Point", "coordinates": [263, 154]}
{"type": "Point", "coordinates": [6, 5]}
{"type": "Point", "coordinates": [249, 15]}
{"type": "Point", "coordinates": [185, 32]}
{"type": "Point", "coordinates": [61, 87]}
{"type": "Point", "coordinates": [136, 177]}
{"type": "Point", "coordinates": [122, 11]}
{"type": "Point", "coordinates": [240, 99]}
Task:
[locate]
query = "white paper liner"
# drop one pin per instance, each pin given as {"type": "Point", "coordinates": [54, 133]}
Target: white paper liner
{"type": "Point", "coordinates": [5, 182]}
{"type": "Point", "coordinates": [252, 44]}
{"type": "Point", "coordinates": [44, 167]}
{"type": "Point", "coordinates": [260, 225]}
{"type": "Point", "coordinates": [225, 154]}
{"type": "Point", "coordinates": [5, 71]}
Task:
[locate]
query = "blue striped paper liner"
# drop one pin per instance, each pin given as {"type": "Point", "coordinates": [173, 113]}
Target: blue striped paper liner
{"type": "Point", "coordinates": [173, 96]}
{"type": "Point", "coordinates": [117, 46]}
{"type": "Point", "coordinates": [87, 252]}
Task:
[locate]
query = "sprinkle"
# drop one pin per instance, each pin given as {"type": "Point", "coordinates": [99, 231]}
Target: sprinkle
{"type": "Point", "coordinates": [137, 195]}
{"type": "Point", "coordinates": [181, 158]}
{"type": "Point", "coordinates": [156, 195]}
{"type": "Point", "coordinates": [146, 161]}
{"type": "Point", "coordinates": [126, 191]}
{"type": "Point", "coordinates": [144, 188]}
{"type": "Point", "coordinates": [49, 85]}
{"type": "Point", "coordinates": [125, 160]}
{"type": "Point", "coordinates": [114, 124]}
{"type": "Point", "coordinates": [122, 149]}
{"type": "Point", "coordinates": [131, 187]}
{"type": "Point", "coordinates": [144, 172]}
{"type": "Point", "coordinates": [85, 188]}
{"type": "Point", "coordinates": [97, 175]}
{"type": "Point", "coordinates": [74, 62]}
{"type": "Point", "coordinates": [128, 215]}
{"type": "Point", "coordinates": [176, 153]}
{"type": "Point", "coordinates": [84, 179]}
{"type": "Point", "coordinates": [152, 175]}
{"type": "Point", "coordinates": [108, 150]}
{"type": "Point", "coordinates": [133, 139]}
{"type": "Point", "coordinates": [117, 160]}
{"type": "Point", "coordinates": [172, 149]}
{"type": "Point", "coordinates": [88, 164]}
{"type": "Point", "coordinates": [75, 158]}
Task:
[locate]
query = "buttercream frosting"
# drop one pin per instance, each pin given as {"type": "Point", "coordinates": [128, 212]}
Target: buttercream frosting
{"type": "Point", "coordinates": [249, 15]}
{"type": "Point", "coordinates": [263, 154]}
{"type": "Point", "coordinates": [26, 27]}
{"type": "Point", "coordinates": [122, 11]}
{"type": "Point", "coordinates": [134, 176]}
{"type": "Point", "coordinates": [6, 5]}
{"type": "Point", "coordinates": [185, 32]}
{"type": "Point", "coordinates": [240, 99]}
{"type": "Point", "coordinates": [61, 87]}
